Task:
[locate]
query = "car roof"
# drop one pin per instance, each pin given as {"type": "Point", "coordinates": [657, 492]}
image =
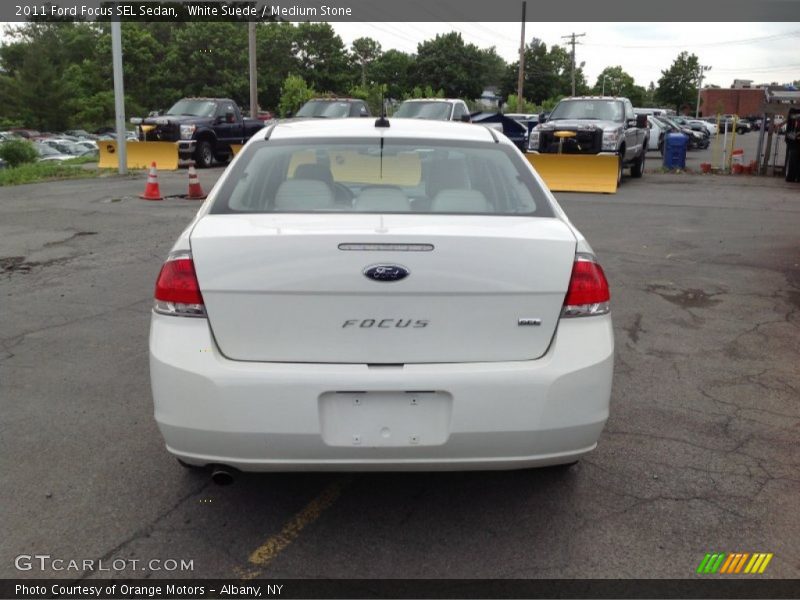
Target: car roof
{"type": "Point", "coordinates": [335, 100]}
{"type": "Point", "coordinates": [398, 129]}
{"type": "Point", "coordinates": [433, 100]}
{"type": "Point", "coordinates": [572, 98]}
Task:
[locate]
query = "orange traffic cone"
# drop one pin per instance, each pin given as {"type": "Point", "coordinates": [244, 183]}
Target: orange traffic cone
{"type": "Point", "coordinates": [151, 191]}
{"type": "Point", "coordinates": [195, 191]}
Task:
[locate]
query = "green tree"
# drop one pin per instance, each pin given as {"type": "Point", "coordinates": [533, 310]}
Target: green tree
{"type": "Point", "coordinates": [294, 93]}
{"type": "Point", "coordinates": [393, 69]}
{"type": "Point", "coordinates": [374, 94]}
{"type": "Point", "coordinates": [210, 59]}
{"type": "Point", "coordinates": [365, 51]}
{"type": "Point", "coordinates": [493, 67]}
{"type": "Point", "coordinates": [678, 85]}
{"type": "Point", "coordinates": [35, 60]}
{"type": "Point", "coordinates": [276, 59]}
{"type": "Point", "coordinates": [448, 63]}
{"type": "Point", "coordinates": [616, 82]}
{"type": "Point", "coordinates": [548, 74]}
{"type": "Point", "coordinates": [322, 57]}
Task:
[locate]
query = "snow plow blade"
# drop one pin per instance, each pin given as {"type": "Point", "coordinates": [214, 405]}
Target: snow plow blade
{"type": "Point", "coordinates": [577, 172]}
{"type": "Point", "coordinates": [140, 155]}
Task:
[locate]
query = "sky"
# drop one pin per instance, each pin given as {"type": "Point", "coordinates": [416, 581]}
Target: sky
{"type": "Point", "coordinates": [763, 52]}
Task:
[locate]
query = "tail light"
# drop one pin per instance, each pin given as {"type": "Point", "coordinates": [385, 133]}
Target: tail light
{"type": "Point", "coordinates": [177, 290]}
{"type": "Point", "coordinates": [588, 294]}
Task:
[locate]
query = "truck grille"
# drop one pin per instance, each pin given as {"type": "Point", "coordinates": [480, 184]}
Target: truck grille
{"type": "Point", "coordinates": [585, 142]}
{"type": "Point", "coordinates": [162, 133]}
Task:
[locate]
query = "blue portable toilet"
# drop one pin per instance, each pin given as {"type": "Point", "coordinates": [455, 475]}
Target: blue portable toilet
{"type": "Point", "coordinates": [675, 145]}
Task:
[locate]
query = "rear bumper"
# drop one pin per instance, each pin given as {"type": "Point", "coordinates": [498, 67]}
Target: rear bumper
{"type": "Point", "coordinates": [270, 416]}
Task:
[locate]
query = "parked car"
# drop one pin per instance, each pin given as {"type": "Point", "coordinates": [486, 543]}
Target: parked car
{"type": "Point", "coordinates": [446, 315]}
{"type": "Point", "coordinates": [726, 123]}
{"type": "Point", "coordinates": [437, 109]}
{"type": "Point", "coordinates": [596, 125]}
{"type": "Point", "coordinates": [333, 108]}
{"type": "Point", "coordinates": [81, 134]}
{"type": "Point", "coordinates": [699, 139]}
{"type": "Point", "coordinates": [707, 125]}
{"type": "Point", "coordinates": [68, 147]}
{"type": "Point", "coordinates": [657, 132]}
{"type": "Point", "coordinates": [47, 152]}
{"type": "Point", "coordinates": [205, 128]}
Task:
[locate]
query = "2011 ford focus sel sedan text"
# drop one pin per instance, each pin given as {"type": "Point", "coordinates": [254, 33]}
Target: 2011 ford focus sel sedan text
{"type": "Point", "coordinates": [380, 295]}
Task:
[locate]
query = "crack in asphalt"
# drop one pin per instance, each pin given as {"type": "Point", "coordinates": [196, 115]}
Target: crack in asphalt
{"type": "Point", "coordinates": [147, 529]}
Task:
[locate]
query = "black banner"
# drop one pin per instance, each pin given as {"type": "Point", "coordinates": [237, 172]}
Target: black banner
{"type": "Point", "coordinates": [178, 589]}
{"type": "Point", "coordinates": [405, 11]}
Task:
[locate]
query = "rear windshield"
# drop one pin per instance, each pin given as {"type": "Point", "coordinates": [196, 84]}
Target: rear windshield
{"type": "Point", "coordinates": [408, 176]}
{"type": "Point", "coordinates": [193, 108]}
{"type": "Point", "coordinates": [324, 109]}
{"type": "Point", "coordinates": [603, 110]}
{"type": "Point", "coordinates": [439, 111]}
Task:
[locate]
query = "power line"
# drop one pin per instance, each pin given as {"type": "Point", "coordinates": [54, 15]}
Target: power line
{"type": "Point", "coordinates": [705, 45]}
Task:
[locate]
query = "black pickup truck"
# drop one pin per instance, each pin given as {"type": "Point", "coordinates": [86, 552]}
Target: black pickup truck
{"type": "Point", "coordinates": [599, 125]}
{"type": "Point", "coordinates": [205, 128]}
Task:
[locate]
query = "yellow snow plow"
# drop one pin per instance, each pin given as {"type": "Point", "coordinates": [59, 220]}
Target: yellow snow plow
{"type": "Point", "coordinates": [140, 154]}
{"type": "Point", "coordinates": [576, 172]}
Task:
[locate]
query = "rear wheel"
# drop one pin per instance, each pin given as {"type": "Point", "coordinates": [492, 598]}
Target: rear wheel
{"type": "Point", "coordinates": [792, 167]}
{"type": "Point", "coordinates": [637, 170]}
{"type": "Point", "coordinates": [204, 154]}
{"type": "Point", "coordinates": [189, 467]}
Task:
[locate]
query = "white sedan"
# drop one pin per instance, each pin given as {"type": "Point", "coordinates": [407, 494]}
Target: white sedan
{"type": "Point", "coordinates": [357, 296]}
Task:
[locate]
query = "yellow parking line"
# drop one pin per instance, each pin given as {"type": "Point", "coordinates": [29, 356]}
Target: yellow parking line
{"type": "Point", "coordinates": [275, 544]}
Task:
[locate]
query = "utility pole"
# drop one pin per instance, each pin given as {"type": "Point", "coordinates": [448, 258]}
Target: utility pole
{"type": "Point", "coordinates": [572, 41]}
{"type": "Point", "coordinates": [521, 75]}
{"type": "Point", "coordinates": [119, 96]}
{"type": "Point", "coordinates": [703, 69]}
{"type": "Point", "coordinates": [251, 50]}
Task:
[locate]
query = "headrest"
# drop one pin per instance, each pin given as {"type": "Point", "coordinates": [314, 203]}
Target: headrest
{"type": "Point", "coordinates": [303, 194]}
{"type": "Point", "coordinates": [460, 201]}
{"type": "Point", "coordinates": [314, 171]}
{"type": "Point", "coordinates": [381, 200]}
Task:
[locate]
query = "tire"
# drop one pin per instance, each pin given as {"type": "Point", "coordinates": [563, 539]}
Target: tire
{"type": "Point", "coordinates": [637, 170]}
{"type": "Point", "coordinates": [561, 469]}
{"type": "Point", "coordinates": [204, 154]}
{"type": "Point", "coordinates": [189, 467]}
{"type": "Point", "coordinates": [619, 166]}
{"type": "Point", "coordinates": [792, 167]}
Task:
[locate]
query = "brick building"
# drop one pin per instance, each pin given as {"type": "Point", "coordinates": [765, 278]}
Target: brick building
{"type": "Point", "coordinates": [744, 102]}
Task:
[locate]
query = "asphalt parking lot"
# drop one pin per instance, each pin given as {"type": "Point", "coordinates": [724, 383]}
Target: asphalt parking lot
{"type": "Point", "coordinates": [700, 454]}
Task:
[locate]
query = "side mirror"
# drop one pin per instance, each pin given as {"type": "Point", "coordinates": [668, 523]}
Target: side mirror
{"type": "Point", "coordinates": [641, 121]}
{"type": "Point", "coordinates": [230, 117]}
{"type": "Point", "coordinates": [466, 118]}
{"type": "Point", "coordinates": [542, 118]}
{"type": "Point", "coordinates": [363, 114]}
{"type": "Point", "coordinates": [288, 114]}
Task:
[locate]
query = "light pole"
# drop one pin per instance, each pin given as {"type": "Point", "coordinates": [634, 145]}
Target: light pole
{"type": "Point", "coordinates": [703, 69]}
{"type": "Point", "coordinates": [604, 85]}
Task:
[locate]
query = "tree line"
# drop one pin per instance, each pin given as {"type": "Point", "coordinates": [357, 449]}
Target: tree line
{"type": "Point", "coordinates": [58, 75]}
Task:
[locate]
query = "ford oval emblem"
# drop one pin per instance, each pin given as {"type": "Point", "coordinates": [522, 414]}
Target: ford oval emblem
{"type": "Point", "coordinates": [386, 272]}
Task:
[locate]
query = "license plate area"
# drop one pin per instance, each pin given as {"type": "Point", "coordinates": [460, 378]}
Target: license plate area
{"type": "Point", "coordinates": [385, 419]}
